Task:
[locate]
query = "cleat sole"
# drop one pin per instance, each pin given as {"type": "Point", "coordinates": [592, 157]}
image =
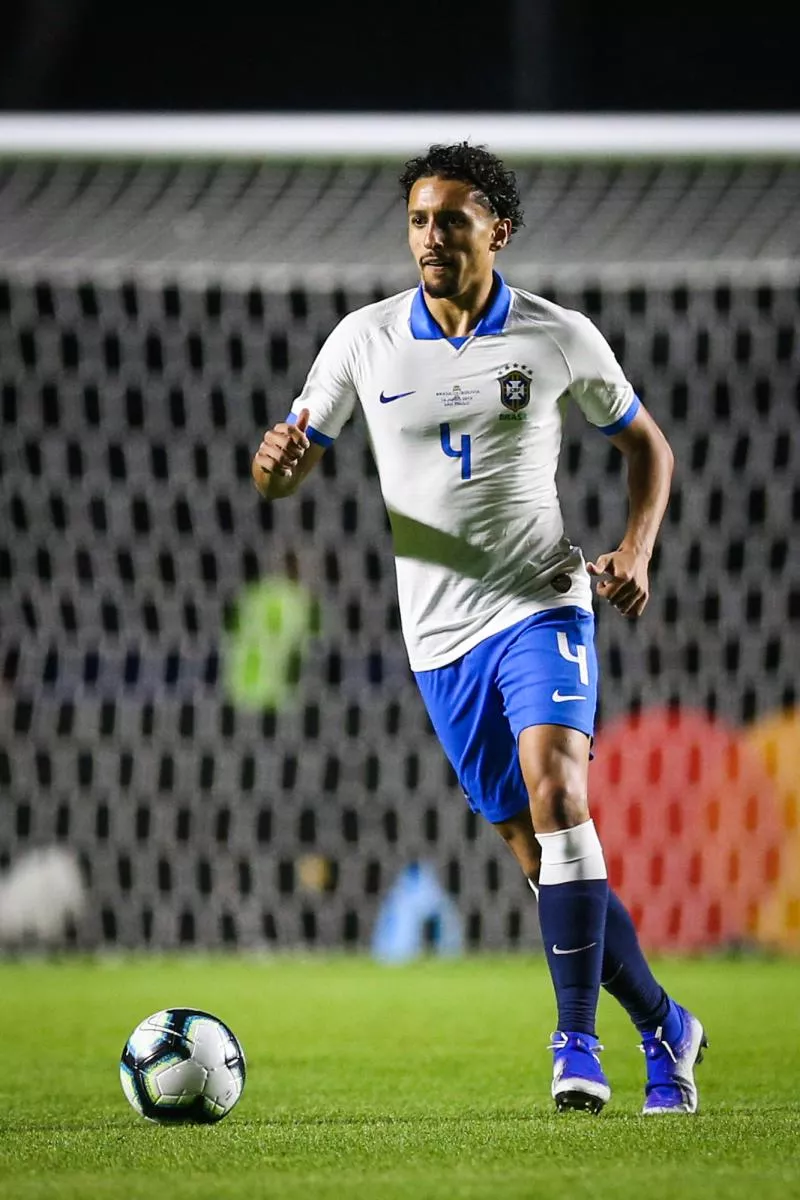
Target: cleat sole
{"type": "Point", "coordinates": [576, 1101]}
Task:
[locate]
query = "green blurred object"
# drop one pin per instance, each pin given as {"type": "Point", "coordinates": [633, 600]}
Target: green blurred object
{"type": "Point", "coordinates": [269, 637]}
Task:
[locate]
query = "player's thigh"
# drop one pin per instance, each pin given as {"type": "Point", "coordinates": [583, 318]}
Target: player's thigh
{"type": "Point", "coordinates": [554, 760]}
{"type": "Point", "coordinates": [547, 674]}
{"type": "Point", "coordinates": [548, 678]}
{"type": "Point", "coordinates": [468, 717]}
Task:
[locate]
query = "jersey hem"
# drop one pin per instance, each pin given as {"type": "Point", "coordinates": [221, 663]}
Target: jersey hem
{"type": "Point", "coordinates": [444, 660]}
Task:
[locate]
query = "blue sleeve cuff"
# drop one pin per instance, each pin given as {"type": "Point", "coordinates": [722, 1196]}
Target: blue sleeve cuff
{"type": "Point", "coordinates": [312, 434]}
{"type": "Point", "coordinates": [624, 420]}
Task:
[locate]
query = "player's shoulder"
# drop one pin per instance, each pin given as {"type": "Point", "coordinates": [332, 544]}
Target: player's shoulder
{"type": "Point", "coordinates": [369, 319]}
{"type": "Point", "coordinates": [577, 336]}
{"type": "Point", "coordinates": [532, 309]}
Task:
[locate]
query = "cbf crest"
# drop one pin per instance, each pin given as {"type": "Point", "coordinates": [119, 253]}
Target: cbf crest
{"type": "Point", "coordinates": [515, 387]}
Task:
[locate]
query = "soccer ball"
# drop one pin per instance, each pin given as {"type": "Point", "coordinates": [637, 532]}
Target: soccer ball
{"type": "Point", "coordinates": [182, 1066]}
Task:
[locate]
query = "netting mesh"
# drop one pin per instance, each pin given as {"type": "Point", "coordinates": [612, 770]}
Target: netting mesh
{"type": "Point", "coordinates": [345, 219]}
{"type": "Point", "coordinates": [131, 407]}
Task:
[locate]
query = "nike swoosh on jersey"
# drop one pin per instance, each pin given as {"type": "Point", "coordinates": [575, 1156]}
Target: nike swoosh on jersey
{"type": "Point", "coordinates": [397, 396]}
{"type": "Point", "coordinates": [577, 950]}
{"type": "Point", "coordinates": [559, 699]}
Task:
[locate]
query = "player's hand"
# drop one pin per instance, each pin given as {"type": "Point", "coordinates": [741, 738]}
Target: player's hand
{"type": "Point", "coordinates": [623, 580]}
{"type": "Point", "coordinates": [283, 446]}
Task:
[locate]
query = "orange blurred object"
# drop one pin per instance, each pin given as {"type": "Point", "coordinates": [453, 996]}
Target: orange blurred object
{"type": "Point", "coordinates": [776, 740]}
{"type": "Point", "coordinates": [688, 816]}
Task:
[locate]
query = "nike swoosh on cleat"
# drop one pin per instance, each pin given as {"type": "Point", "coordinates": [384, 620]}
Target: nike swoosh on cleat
{"type": "Point", "coordinates": [577, 949]}
{"type": "Point", "coordinates": [559, 699]}
{"type": "Point", "coordinates": [398, 396]}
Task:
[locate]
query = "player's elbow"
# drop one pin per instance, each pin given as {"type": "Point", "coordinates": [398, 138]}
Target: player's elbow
{"type": "Point", "coordinates": [656, 454]}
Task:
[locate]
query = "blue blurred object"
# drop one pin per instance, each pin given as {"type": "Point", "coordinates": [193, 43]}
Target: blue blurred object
{"type": "Point", "coordinates": [417, 915]}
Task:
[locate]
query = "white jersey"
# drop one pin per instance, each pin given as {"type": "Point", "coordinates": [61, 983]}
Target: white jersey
{"type": "Point", "coordinates": [466, 434]}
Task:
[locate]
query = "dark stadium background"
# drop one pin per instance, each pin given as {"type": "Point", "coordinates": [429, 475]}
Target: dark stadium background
{"type": "Point", "coordinates": [539, 55]}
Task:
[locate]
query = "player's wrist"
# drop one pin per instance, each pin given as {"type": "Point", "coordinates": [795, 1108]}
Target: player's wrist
{"type": "Point", "coordinates": [639, 549]}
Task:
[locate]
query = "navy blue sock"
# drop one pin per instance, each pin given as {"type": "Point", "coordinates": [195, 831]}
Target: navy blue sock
{"type": "Point", "coordinates": [627, 977]}
{"type": "Point", "coordinates": [573, 919]}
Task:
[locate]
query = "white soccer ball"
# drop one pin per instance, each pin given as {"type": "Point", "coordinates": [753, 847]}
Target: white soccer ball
{"type": "Point", "coordinates": [182, 1065]}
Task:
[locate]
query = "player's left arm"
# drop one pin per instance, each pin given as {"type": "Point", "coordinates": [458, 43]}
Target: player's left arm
{"type": "Point", "coordinates": [649, 460]}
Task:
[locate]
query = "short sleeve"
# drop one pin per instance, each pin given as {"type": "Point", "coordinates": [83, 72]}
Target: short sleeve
{"type": "Point", "coordinates": [599, 386]}
{"type": "Point", "coordinates": [329, 392]}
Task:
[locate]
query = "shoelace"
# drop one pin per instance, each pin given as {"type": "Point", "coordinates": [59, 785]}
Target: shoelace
{"type": "Point", "coordinates": [661, 1057]}
{"type": "Point", "coordinates": [651, 1046]}
{"type": "Point", "coordinates": [580, 1044]}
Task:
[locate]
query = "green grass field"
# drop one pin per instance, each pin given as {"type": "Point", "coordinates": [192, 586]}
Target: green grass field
{"type": "Point", "coordinates": [368, 1082]}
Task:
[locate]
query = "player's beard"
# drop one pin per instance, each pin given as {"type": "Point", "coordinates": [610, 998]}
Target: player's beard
{"type": "Point", "coordinates": [443, 287]}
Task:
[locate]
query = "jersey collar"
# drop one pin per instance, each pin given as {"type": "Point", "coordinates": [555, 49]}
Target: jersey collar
{"type": "Point", "coordinates": [425, 328]}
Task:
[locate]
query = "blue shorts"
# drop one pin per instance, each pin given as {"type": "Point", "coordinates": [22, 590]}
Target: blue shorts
{"type": "Point", "coordinates": [541, 671]}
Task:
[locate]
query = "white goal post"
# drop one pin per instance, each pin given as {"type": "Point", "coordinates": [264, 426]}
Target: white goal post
{"type": "Point", "coordinates": [384, 135]}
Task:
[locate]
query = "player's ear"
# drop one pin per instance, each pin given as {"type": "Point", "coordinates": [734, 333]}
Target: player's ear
{"type": "Point", "coordinates": [502, 233]}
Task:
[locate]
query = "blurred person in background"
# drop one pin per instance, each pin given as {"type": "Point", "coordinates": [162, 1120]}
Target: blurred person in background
{"type": "Point", "coordinates": [268, 640]}
{"type": "Point", "coordinates": [462, 382]}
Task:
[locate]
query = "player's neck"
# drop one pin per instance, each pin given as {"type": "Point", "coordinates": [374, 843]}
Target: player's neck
{"type": "Point", "coordinates": [458, 315]}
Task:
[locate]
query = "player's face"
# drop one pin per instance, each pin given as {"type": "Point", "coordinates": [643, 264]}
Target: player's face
{"type": "Point", "coordinates": [452, 235]}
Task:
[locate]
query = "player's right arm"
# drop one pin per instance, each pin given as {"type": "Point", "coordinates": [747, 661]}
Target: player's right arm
{"type": "Point", "coordinates": [292, 448]}
{"type": "Point", "coordinates": [284, 458]}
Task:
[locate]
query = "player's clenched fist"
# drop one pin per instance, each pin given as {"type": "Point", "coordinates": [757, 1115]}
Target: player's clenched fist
{"type": "Point", "coordinates": [623, 580]}
{"type": "Point", "coordinates": [282, 449]}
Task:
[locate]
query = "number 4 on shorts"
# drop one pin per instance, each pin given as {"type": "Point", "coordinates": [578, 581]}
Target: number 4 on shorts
{"type": "Point", "coordinates": [579, 656]}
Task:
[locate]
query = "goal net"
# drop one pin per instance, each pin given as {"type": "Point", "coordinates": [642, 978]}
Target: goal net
{"type": "Point", "coordinates": [206, 697]}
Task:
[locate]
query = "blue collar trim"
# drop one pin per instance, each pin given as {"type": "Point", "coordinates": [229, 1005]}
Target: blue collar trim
{"type": "Point", "coordinates": [425, 328]}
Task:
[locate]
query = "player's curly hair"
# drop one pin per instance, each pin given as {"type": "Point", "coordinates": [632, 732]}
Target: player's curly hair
{"type": "Point", "coordinates": [470, 164]}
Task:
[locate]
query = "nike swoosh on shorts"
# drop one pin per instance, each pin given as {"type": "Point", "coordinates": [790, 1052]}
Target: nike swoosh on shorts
{"type": "Point", "coordinates": [397, 396]}
{"type": "Point", "coordinates": [559, 699]}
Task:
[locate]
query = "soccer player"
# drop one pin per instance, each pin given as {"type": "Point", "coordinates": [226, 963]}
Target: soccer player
{"type": "Point", "coordinates": [462, 382]}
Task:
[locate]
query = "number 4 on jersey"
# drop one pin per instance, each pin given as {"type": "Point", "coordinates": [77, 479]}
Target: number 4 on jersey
{"type": "Point", "coordinates": [465, 453]}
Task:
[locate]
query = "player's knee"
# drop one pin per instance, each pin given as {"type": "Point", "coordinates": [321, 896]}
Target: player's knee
{"type": "Point", "coordinates": [558, 803]}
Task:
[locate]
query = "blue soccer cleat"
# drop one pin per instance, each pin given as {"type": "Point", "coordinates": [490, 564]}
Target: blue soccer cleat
{"type": "Point", "coordinates": [578, 1079]}
{"type": "Point", "coordinates": [670, 1086]}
